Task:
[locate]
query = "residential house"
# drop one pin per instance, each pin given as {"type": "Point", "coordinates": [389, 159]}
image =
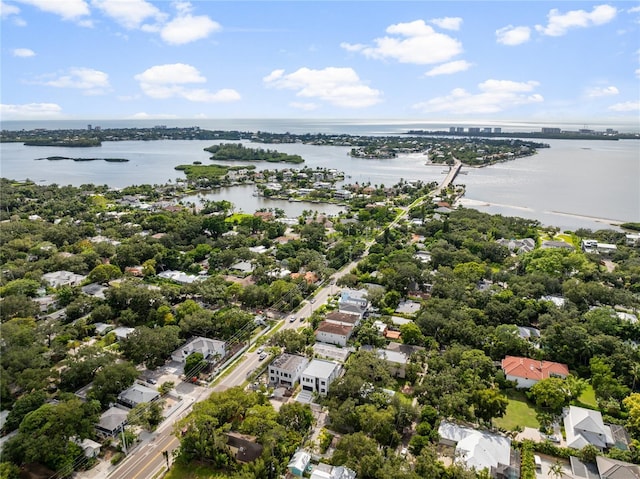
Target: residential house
{"type": "Point", "coordinates": [559, 301]}
{"type": "Point", "coordinates": [593, 246]}
{"type": "Point", "coordinates": [527, 372]}
{"type": "Point", "coordinates": [396, 360]}
{"type": "Point", "coordinates": [344, 319]}
{"type": "Point", "coordinates": [243, 266]}
{"type": "Point", "coordinates": [583, 470]}
{"type": "Point", "coordinates": [614, 469]}
{"type": "Point", "coordinates": [112, 421]}
{"type": "Point", "coordinates": [103, 328]}
{"type": "Point", "coordinates": [633, 239]}
{"type": "Point", "coordinates": [94, 289]}
{"type": "Point", "coordinates": [585, 426]}
{"type": "Point", "coordinates": [242, 447]}
{"type": "Point", "coordinates": [137, 394]}
{"type": "Point", "coordinates": [556, 244]}
{"type": "Point", "coordinates": [299, 462]}
{"type": "Point", "coordinates": [408, 307]}
{"type": "Point", "coordinates": [122, 332]}
{"type": "Point", "coordinates": [392, 335]}
{"type": "Point", "coordinates": [480, 449]}
{"type": "Point", "coordinates": [528, 333]}
{"type": "Point", "coordinates": [90, 448]}
{"type": "Point", "coordinates": [286, 369]}
{"type": "Point", "coordinates": [329, 351]}
{"type": "Point", "coordinates": [211, 349]}
{"type": "Point", "coordinates": [58, 279]}
{"type": "Point", "coordinates": [45, 303]}
{"type": "Point", "coordinates": [318, 376]}
{"type": "Point", "coordinates": [326, 471]}
{"type": "Point", "coordinates": [353, 301]}
{"type": "Point", "coordinates": [180, 277]}
{"type": "Point", "coordinates": [518, 246]}
{"type": "Point", "coordinates": [332, 333]}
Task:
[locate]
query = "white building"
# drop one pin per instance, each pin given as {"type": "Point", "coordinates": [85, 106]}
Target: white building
{"type": "Point", "coordinates": [318, 376]}
{"type": "Point", "coordinates": [585, 426]}
{"type": "Point", "coordinates": [137, 394]}
{"type": "Point", "coordinates": [332, 333]}
{"type": "Point", "coordinates": [63, 278]}
{"type": "Point", "coordinates": [211, 349]}
{"type": "Point", "coordinates": [344, 319]}
{"type": "Point", "coordinates": [353, 301]}
{"type": "Point", "coordinates": [286, 369]}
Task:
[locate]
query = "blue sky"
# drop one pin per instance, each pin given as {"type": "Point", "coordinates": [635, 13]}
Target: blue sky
{"type": "Point", "coordinates": [433, 61]}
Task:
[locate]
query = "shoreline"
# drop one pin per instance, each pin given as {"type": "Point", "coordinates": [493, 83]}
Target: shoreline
{"type": "Point", "coordinates": [468, 202]}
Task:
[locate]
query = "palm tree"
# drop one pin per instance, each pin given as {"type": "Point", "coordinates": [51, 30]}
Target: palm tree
{"type": "Point", "coordinates": [556, 469]}
{"type": "Point", "coordinates": [635, 374]}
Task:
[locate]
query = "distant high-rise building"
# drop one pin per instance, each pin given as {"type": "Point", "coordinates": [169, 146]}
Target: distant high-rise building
{"type": "Point", "coordinates": [89, 127]}
{"type": "Point", "coordinates": [474, 130]}
{"type": "Point", "coordinates": [459, 129]}
{"type": "Point", "coordinates": [551, 130]}
{"type": "Point", "coordinates": [497, 130]}
{"type": "Point", "coordinates": [452, 129]}
{"type": "Point", "coordinates": [486, 130]}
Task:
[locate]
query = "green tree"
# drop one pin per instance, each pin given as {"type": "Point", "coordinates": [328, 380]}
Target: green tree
{"type": "Point", "coordinates": [550, 394]}
{"type": "Point", "coordinates": [489, 403]}
{"type": "Point", "coordinates": [148, 415]}
{"type": "Point", "coordinates": [103, 273]}
{"type": "Point", "coordinates": [194, 363]}
{"type": "Point", "coordinates": [110, 380]}
{"type": "Point", "coordinates": [412, 334]}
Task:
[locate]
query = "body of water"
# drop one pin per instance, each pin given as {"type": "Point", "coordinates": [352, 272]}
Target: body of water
{"type": "Point", "coordinates": [574, 184]}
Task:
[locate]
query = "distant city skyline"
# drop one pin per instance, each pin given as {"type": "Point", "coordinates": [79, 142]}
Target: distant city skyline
{"type": "Point", "coordinates": [448, 62]}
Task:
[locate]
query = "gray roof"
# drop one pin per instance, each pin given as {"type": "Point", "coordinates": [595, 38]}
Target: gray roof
{"type": "Point", "coordinates": [289, 362]}
{"type": "Point", "coordinates": [614, 469]}
{"type": "Point", "coordinates": [137, 394]}
{"type": "Point", "coordinates": [582, 470]}
{"type": "Point", "coordinates": [320, 368]}
{"type": "Point", "coordinates": [112, 419]}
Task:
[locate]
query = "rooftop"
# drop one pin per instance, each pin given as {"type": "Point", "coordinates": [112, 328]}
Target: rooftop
{"type": "Point", "coordinates": [289, 362]}
{"type": "Point", "coordinates": [333, 328]}
{"type": "Point", "coordinates": [320, 368]}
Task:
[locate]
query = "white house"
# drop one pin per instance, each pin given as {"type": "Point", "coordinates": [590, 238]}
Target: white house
{"type": "Point", "coordinates": [333, 333]}
{"type": "Point", "coordinates": [477, 449]}
{"type": "Point", "coordinates": [63, 278]}
{"type": "Point", "coordinates": [326, 471]}
{"type": "Point", "coordinates": [526, 372]}
{"type": "Point", "coordinates": [286, 369]}
{"type": "Point", "coordinates": [396, 360]}
{"type": "Point", "coordinates": [210, 349]}
{"type": "Point", "coordinates": [585, 426]}
{"type": "Point", "coordinates": [318, 375]}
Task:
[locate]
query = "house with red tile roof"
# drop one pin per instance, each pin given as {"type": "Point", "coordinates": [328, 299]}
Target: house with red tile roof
{"type": "Point", "coordinates": [527, 372]}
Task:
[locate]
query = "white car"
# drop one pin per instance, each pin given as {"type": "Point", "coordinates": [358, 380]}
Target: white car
{"type": "Point", "coordinates": [262, 356]}
{"type": "Point", "coordinates": [292, 319]}
{"type": "Point", "coordinates": [260, 350]}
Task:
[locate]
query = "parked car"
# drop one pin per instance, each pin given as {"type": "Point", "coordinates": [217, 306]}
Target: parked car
{"type": "Point", "coordinates": [262, 356]}
{"type": "Point", "coordinates": [260, 350]}
{"type": "Point", "coordinates": [292, 319]}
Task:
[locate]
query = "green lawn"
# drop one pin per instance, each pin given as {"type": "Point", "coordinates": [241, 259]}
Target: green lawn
{"type": "Point", "coordinates": [519, 413]}
{"type": "Point", "coordinates": [588, 398]}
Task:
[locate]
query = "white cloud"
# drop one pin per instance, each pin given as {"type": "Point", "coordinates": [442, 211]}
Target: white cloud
{"type": "Point", "coordinates": [67, 9]}
{"type": "Point", "coordinates": [560, 23]}
{"type": "Point", "coordinates": [90, 81]}
{"type": "Point", "coordinates": [147, 116]}
{"type": "Point", "coordinates": [494, 96]}
{"type": "Point", "coordinates": [23, 52]}
{"type": "Point", "coordinates": [448, 23]}
{"type": "Point", "coordinates": [637, 72]}
{"type": "Point", "coordinates": [29, 111]}
{"type": "Point", "coordinates": [449, 68]}
{"type": "Point", "coordinates": [601, 91]}
{"type": "Point", "coordinates": [131, 14]}
{"type": "Point", "coordinates": [6, 10]}
{"type": "Point", "coordinates": [187, 28]}
{"type": "Point", "coordinates": [338, 86]}
{"type": "Point", "coordinates": [511, 35]}
{"type": "Point", "coordinates": [414, 42]}
{"type": "Point", "coordinates": [303, 106]}
{"type": "Point", "coordinates": [168, 81]}
{"type": "Point", "coordinates": [634, 10]}
{"type": "Point", "coordinates": [626, 106]}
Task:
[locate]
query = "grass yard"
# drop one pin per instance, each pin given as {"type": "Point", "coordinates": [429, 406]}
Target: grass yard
{"type": "Point", "coordinates": [192, 471]}
{"type": "Point", "coordinates": [519, 413]}
{"type": "Point", "coordinates": [588, 398]}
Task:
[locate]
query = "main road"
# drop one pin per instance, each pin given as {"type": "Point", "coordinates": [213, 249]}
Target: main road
{"type": "Point", "coordinates": [148, 460]}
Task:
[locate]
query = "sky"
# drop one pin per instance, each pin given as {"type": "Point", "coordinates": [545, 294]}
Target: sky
{"type": "Point", "coordinates": [539, 61]}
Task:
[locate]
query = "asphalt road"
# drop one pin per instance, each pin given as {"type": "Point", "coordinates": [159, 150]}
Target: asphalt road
{"type": "Point", "coordinates": [147, 459]}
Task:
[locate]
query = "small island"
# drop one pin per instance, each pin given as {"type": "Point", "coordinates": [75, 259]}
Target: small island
{"type": "Point", "coordinates": [198, 172]}
{"type": "Point", "coordinates": [59, 158]}
{"type": "Point", "coordinates": [237, 152]}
